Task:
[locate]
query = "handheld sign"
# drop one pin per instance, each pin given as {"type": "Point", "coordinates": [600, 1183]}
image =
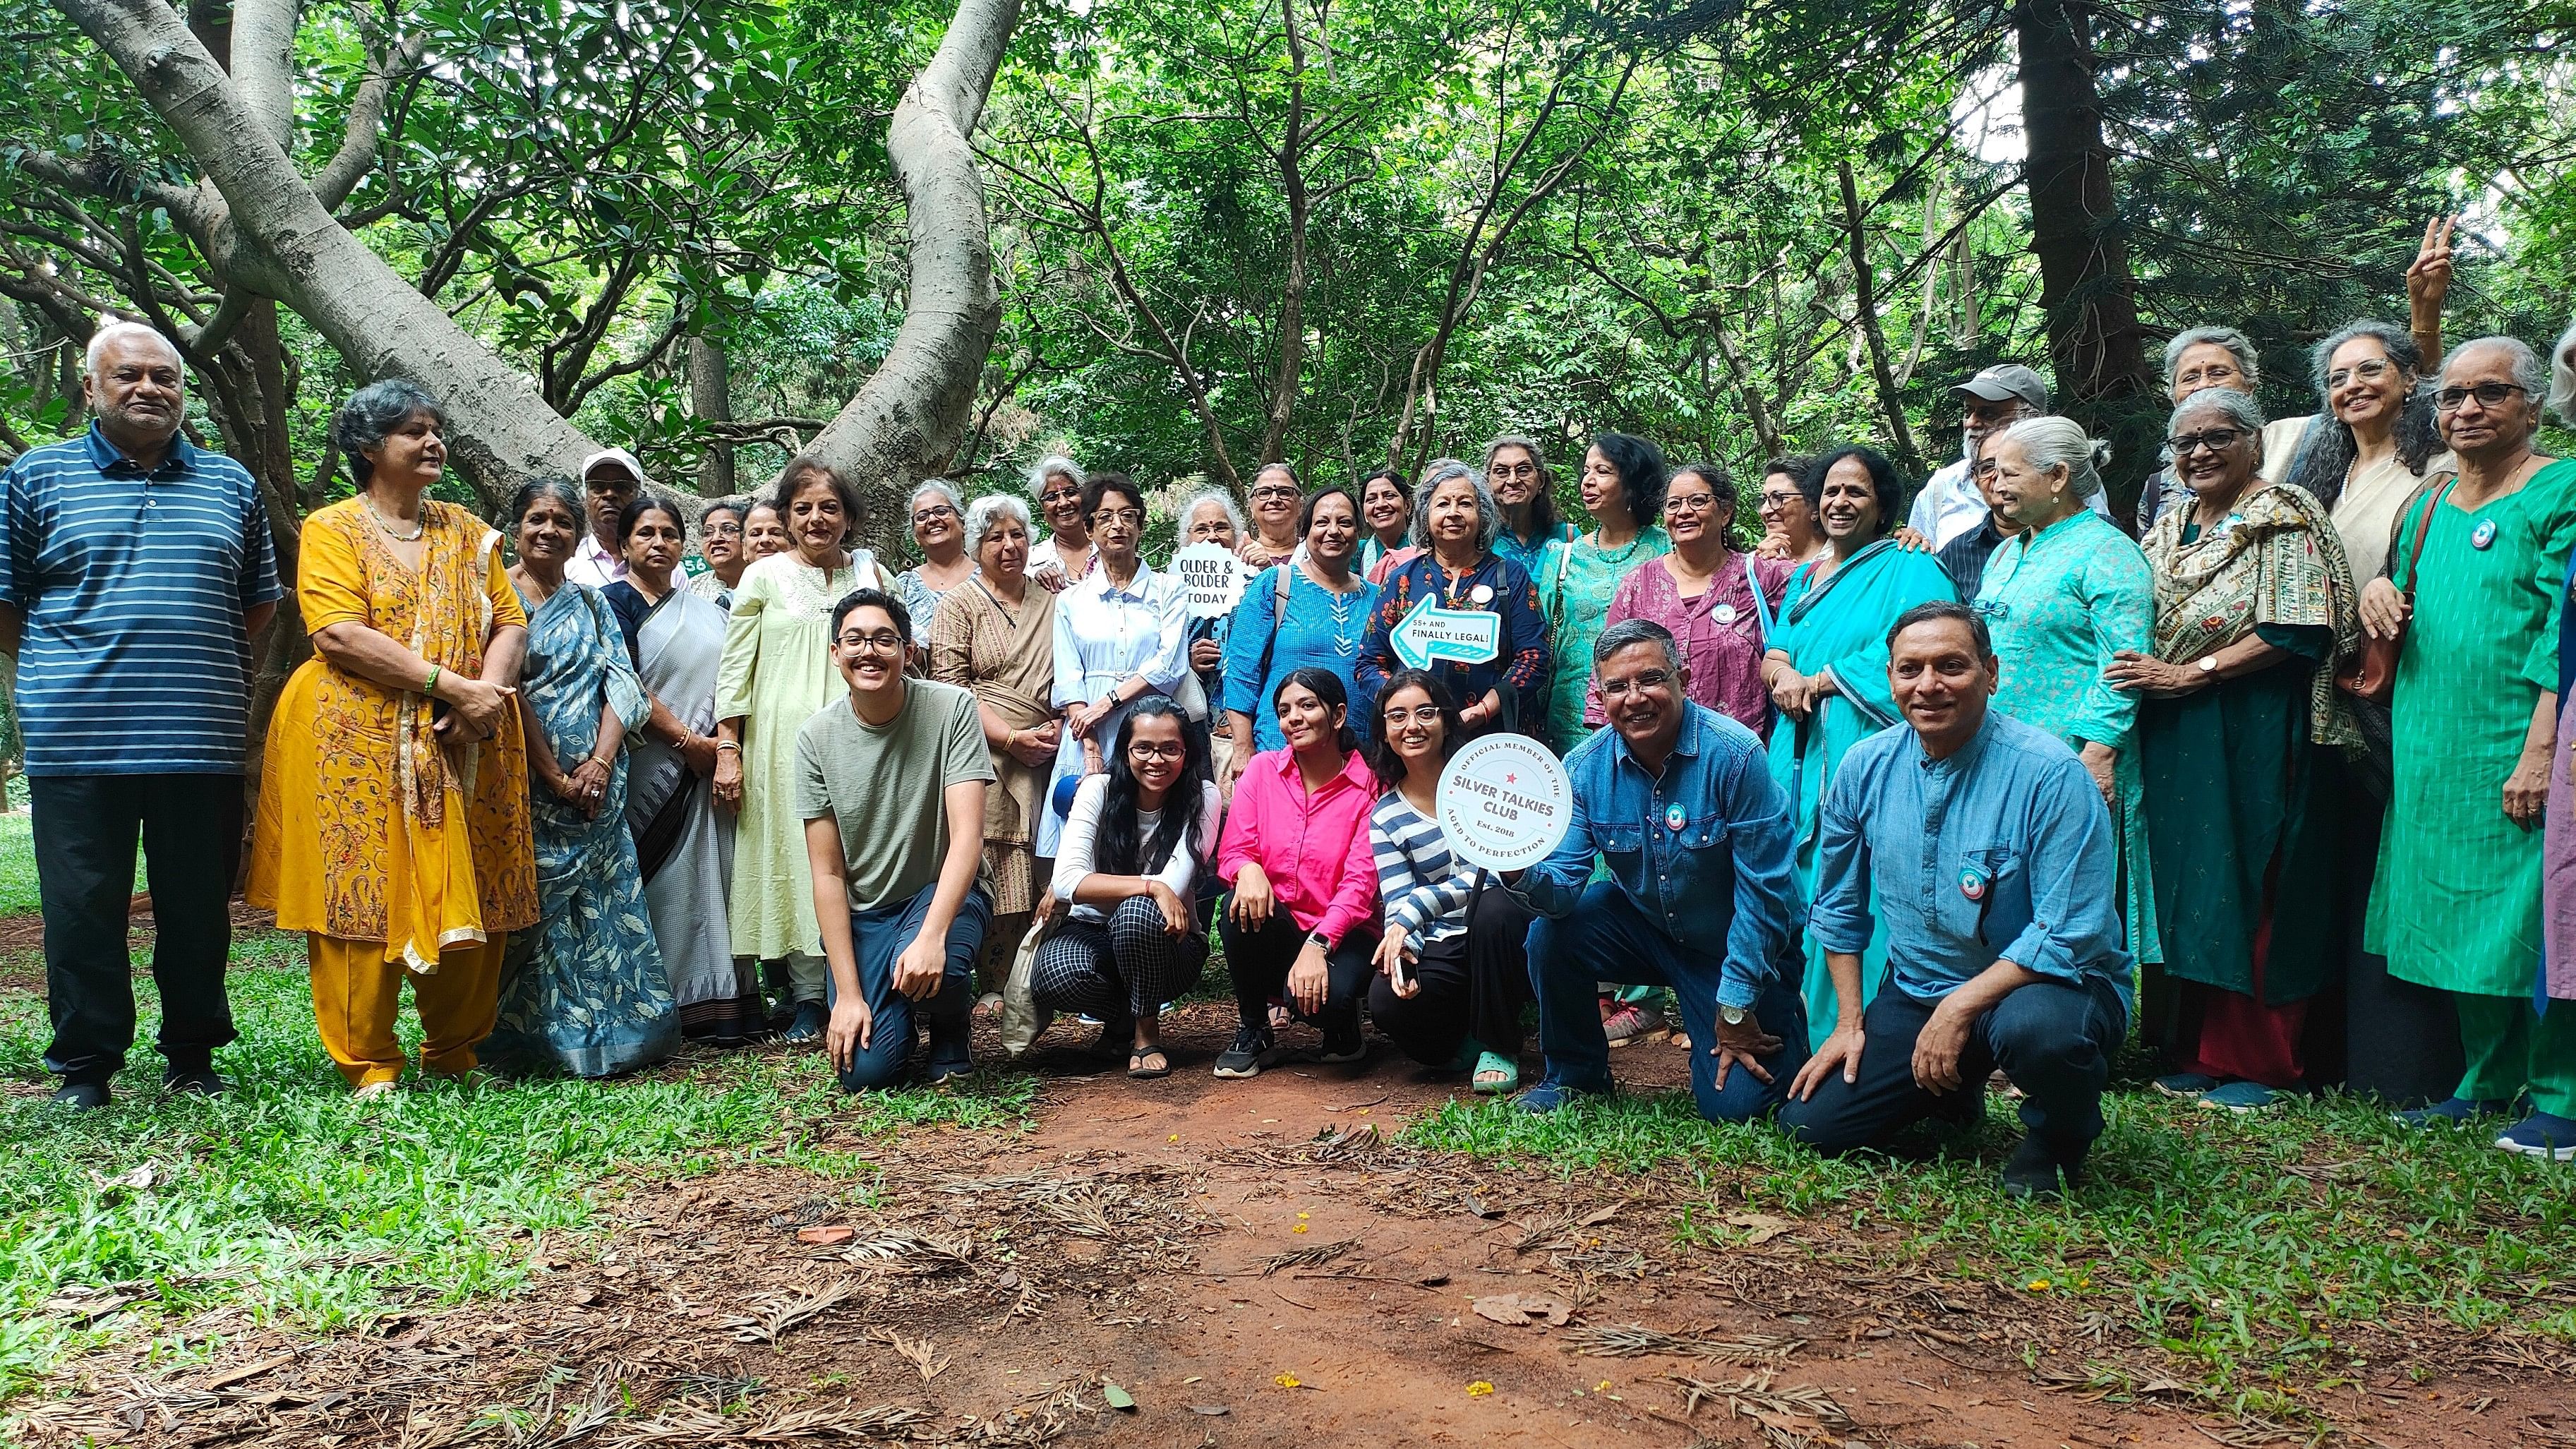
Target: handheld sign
{"type": "Point", "coordinates": [1432, 635]}
{"type": "Point", "coordinates": [1504, 802]}
{"type": "Point", "coordinates": [1211, 578]}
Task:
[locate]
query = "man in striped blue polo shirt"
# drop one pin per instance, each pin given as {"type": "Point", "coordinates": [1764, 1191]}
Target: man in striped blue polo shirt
{"type": "Point", "coordinates": [134, 571]}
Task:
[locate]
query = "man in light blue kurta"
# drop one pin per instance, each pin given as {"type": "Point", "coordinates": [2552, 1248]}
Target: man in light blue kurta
{"type": "Point", "coordinates": [1991, 859]}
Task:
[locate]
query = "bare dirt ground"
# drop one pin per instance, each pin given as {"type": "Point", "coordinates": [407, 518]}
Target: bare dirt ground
{"type": "Point", "coordinates": [1244, 1264]}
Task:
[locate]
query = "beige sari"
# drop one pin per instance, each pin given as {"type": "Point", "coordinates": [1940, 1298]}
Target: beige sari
{"type": "Point", "coordinates": [1005, 654]}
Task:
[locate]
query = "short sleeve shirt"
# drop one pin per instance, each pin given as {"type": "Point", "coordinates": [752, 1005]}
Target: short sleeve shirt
{"type": "Point", "coordinates": [134, 586]}
{"type": "Point", "coordinates": [886, 785]}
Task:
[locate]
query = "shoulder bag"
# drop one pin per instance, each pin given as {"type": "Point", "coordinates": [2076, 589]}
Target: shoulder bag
{"type": "Point", "coordinates": [2374, 671]}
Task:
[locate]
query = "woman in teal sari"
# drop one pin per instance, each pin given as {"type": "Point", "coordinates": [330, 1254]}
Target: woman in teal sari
{"type": "Point", "coordinates": [585, 992]}
{"type": "Point", "coordinates": [1827, 664]}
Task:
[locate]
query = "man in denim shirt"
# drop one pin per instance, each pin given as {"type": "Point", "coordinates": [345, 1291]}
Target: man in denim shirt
{"type": "Point", "coordinates": [1990, 854]}
{"type": "Point", "coordinates": [1679, 800]}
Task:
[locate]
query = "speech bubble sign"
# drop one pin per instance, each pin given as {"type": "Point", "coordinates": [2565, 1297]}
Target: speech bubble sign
{"type": "Point", "coordinates": [1504, 802]}
{"type": "Point", "coordinates": [1211, 578]}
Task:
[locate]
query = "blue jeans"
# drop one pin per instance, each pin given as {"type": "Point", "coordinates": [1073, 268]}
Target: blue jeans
{"type": "Point", "coordinates": [1607, 938]}
{"type": "Point", "coordinates": [879, 936]}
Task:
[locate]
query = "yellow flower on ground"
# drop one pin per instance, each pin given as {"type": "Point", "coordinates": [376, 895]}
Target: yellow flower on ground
{"type": "Point", "coordinates": [1287, 1381]}
{"type": "Point", "coordinates": [1479, 1389]}
{"type": "Point", "coordinates": [2038, 1285]}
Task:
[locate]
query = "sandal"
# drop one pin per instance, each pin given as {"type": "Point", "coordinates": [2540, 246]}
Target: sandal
{"type": "Point", "coordinates": [1495, 1074]}
{"type": "Point", "coordinates": [1137, 1064]}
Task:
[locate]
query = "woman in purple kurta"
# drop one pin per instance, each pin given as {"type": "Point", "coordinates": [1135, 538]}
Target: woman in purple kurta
{"type": "Point", "coordinates": [1717, 600]}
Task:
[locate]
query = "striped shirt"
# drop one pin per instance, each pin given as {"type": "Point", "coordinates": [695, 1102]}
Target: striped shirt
{"type": "Point", "coordinates": [1425, 888]}
{"type": "Point", "coordinates": [133, 586]}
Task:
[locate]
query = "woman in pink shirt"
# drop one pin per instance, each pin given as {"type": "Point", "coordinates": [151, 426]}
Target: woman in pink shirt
{"type": "Point", "coordinates": [1300, 915]}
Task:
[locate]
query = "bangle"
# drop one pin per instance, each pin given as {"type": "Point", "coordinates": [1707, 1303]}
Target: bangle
{"type": "Point", "coordinates": [431, 687]}
{"type": "Point", "coordinates": [728, 745]}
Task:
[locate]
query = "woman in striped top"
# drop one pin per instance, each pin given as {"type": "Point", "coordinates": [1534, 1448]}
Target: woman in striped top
{"type": "Point", "coordinates": [1453, 971]}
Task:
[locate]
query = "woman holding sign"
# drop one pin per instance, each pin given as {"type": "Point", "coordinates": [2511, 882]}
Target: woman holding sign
{"type": "Point", "coordinates": [1460, 610]}
{"type": "Point", "coordinates": [1310, 612]}
{"type": "Point", "coordinates": [1453, 967]}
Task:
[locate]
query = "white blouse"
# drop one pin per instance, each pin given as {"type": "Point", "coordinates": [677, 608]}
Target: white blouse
{"type": "Point", "coordinates": [1073, 856]}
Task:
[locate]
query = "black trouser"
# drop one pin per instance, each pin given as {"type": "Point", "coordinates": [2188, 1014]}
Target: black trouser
{"type": "Point", "coordinates": [85, 830]}
{"type": "Point", "coordinates": [1474, 984]}
{"type": "Point", "coordinates": [1123, 969]}
{"type": "Point", "coordinates": [2054, 1040]}
{"type": "Point", "coordinates": [1258, 960]}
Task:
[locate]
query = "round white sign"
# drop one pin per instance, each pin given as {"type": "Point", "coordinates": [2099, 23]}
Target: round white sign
{"type": "Point", "coordinates": [1505, 802]}
{"type": "Point", "coordinates": [1211, 578]}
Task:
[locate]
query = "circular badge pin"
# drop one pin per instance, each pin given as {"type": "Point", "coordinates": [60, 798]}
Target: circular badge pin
{"type": "Point", "coordinates": [1723, 613]}
{"type": "Point", "coordinates": [2482, 535]}
{"type": "Point", "coordinates": [1484, 593]}
{"type": "Point", "coordinates": [1972, 884]}
{"type": "Point", "coordinates": [1675, 817]}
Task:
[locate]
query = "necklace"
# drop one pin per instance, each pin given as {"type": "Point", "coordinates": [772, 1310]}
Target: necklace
{"type": "Point", "coordinates": [419, 525]}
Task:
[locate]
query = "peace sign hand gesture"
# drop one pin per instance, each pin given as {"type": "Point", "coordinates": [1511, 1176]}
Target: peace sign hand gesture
{"type": "Point", "coordinates": [2428, 277]}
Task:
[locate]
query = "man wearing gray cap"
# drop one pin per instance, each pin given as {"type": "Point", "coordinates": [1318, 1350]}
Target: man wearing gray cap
{"type": "Point", "coordinates": [610, 479]}
{"type": "Point", "coordinates": [1951, 504]}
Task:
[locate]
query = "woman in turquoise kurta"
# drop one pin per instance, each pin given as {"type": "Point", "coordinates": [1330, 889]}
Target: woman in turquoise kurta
{"type": "Point", "coordinates": [1623, 490]}
{"type": "Point", "coordinates": [1827, 664]}
{"type": "Point", "coordinates": [2063, 595]}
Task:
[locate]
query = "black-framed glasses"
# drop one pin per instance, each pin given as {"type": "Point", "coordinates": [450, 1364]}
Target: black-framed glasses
{"type": "Point", "coordinates": [724, 530]}
{"type": "Point", "coordinates": [1157, 750]}
{"type": "Point", "coordinates": [1274, 490]}
{"type": "Point", "coordinates": [1622, 688]}
{"type": "Point", "coordinates": [2488, 394]}
{"type": "Point", "coordinates": [2371, 371]}
{"type": "Point", "coordinates": [888, 642]}
{"type": "Point", "coordinates": [2216, 440]}
{"type": "Point", "coordinates": [1513, 470]}
{"type": "Point", "coordinates": [2214, 375]}
{"type": "Point", "coordinates": [1689, 500]}
{"type": "Point", "coordinates": [934, 511]}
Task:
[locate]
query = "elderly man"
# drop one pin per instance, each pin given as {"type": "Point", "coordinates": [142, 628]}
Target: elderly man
{"type": "Point", "coordinates": [1700, 898]}
{"type": "Point", "coordinates": [134, 570]}
{"type": "Point", "coordinates": [1951, 504]}
{"type": "Point", "coordinates": [610, 479]}
{"type": "Point", "coordinates": [1985, 846]}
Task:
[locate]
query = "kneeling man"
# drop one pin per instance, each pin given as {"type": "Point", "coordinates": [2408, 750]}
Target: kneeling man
{"type": "Point", "coordinates": [890, 784]}
{"type": "Point", "coordinates": [1985, 845]}
{"type": "Point", "coordinates": [1680, 802]}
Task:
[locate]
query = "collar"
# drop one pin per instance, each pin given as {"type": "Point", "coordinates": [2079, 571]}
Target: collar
{"type": "Point", "coordinates": [1355, 772]}
{"type": "Point", "coordinates": [591, 547]}
{"type": "Point", "coordinates": [1968, 753]}
{"type": "Point", "coordinates": [1096, 579]}
{"type": "Point", "coordinates": [1686, 746]}
{"type": "Point", "coordinates": [104, 456]}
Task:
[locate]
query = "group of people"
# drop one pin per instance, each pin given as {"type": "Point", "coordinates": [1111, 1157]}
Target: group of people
{"type": "Point", "coordinates": [1916, 789]}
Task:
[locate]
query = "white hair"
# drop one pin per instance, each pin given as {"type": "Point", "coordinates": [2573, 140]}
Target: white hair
{"type": "Point", "coordinates": [2052, 442]}
{"type": "Point", "coordinates": [1222, 499]}
{"type": "Point", "coordinates": [933, 485]}
{"type": "Point", "coordinates": [2241, 410]}
{"type": "Point", "coordinates": [983, 512]}
{"type": "Point", "coordinates": [2562, 376]}
{"type": "Point", "coordinates": [121, 328]}
{"type": "Point", "coordinates": [1050, 465]}
{"type": "Point", "coordinates": [2249, 359]}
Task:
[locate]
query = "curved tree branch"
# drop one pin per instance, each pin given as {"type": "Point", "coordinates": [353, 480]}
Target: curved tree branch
{"type": "Point", "coordinates": [349, 165]}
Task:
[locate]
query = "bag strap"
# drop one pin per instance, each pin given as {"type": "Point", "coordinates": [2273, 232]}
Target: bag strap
{"type": "Point", "coordinates": [2423, 526]}
{"type": "Point", "coordinates": [1761, 605]}
{"type": "Point", "coordinates": [1278, 615]}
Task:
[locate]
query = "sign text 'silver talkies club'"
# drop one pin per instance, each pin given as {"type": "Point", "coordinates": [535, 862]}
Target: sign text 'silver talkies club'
{"type": "Point", "coordinates": [1505, 802]}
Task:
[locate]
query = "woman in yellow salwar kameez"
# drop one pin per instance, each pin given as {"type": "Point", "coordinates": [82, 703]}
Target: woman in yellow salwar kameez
{"type": "Point", "coordinates": [393, 811]}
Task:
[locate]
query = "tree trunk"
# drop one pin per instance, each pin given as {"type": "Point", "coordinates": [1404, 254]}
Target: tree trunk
{"type": "Point", "coordinates": [711, 400]}
{"type": "Point", "coordinates": [1865, 306]}
{"type": "Point", "coordinates": [912, 412]}
{"type": "Point", "coordinates": [1282, 405]}
{"type": "Point", "coordinates": [2095, 343]}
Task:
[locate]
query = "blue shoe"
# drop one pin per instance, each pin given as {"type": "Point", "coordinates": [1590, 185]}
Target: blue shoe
{"type": "Point", "coordinates": [2187, 1084]}
{"type": "Point", "coordinates": [1551, 1094]}
{"type": "Point", "coordinates": [2451, 1112]}
{"type": "Point", "coordinates": [2541, 1135]}
{"type": "Point", "coordinates": [2240, 1097]}
{"type": "Point", "coordinates": [950, 1054]}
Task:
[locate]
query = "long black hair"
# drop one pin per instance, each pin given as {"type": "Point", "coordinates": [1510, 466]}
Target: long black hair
{"type": "Point", "coordinates": [2327, 449]}
{"type": "Point", "coordinates": [1643, 475]}
{"type": "Point", "coordinates": [1383, 761]}
{"type": "Point", "coordinates": [1325, 685]}
{"type": "Point", "coordinates": [1115, 849]}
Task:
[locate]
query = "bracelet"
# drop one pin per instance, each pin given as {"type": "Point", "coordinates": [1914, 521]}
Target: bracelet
{"type": "Point", "coordinates": [728, 745]}
{"type": "Point", "coordinates": [432, 686]}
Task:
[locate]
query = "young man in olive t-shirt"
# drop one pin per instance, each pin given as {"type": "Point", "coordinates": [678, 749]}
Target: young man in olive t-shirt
{"type": "Point", "coordinates": [890, 784]}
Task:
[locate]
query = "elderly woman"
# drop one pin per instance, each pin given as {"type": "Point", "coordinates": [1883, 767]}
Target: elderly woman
{"type": "Point", "coordinates": [1120, 634]}
{"type": "Point", "coordinates": [1789, 528]}
{"type": "Point", "coordinates": [994, 635]}
{"type": "Point", "coordinates": [1623, 489]}
{"type": "Point", "coordinates": [1211, 517]}
{"type": "Point", "coordinates": [1455, 523]}
{"type": "Point", "coordinates": [585, 992]}
{"type": "Point", "coordinates": [1826, 666]}
{"type": "Point", "coordinates": [939, 531]}
{"type": "Point", "coordinates": [776, 671]}
{"type": "Point", "coordinates": [2376, 442]}
{"type": "Point", "coordinates": [2458, 902]}
{"type": "Point", "coordinates": [2254, 607]}
{"type": "Point", "coordinates": [683, 844]}
{"type": "Point", "coordinates": [1310, 612]}
{"type": "Point", "coordinates": [1718, 602]}
{"type": "Point", "coordinates": [393, 813]}
{"type": "Point", "coordinates": [1386, 516]}
{"type": "Point", "coordinates": [720, 543]}
{"type": "Point", "coordinates": [1525, 491]}
{"type": "Point", "coordinates": [1274, 535]}
{"type": "Point", "coordinates": [1066, 555]}
{"type": "Point", "coordinates": [763, 532]}
{"type": "Point", "coordinates": [2064, 596]}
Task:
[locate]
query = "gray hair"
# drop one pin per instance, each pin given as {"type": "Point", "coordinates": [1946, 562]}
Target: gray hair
{"type": "Point", "coordinates": [2562, 376]}
{"type": "Point", "coordinates": [373, 412]}
{"type": "Point", "coordinates": [1525, 443]}
{"type": "Point", "coordinates": [932, 485]}
{"type": "Point", "coordinates": [986, 511]}
{"type": "Point", "coordinates": [737, 505]}
{"type": "Point", "coordinates": [2529, 372]}
{"type": "Point", "coordinates": [1050, 465]}
{"type": "Point", "coordinates": [557, 486]}
{"type": "Point", "coordinates": [1630, 632]}
{"type": "Point", "coordinates": [122, 327]}
{"type": "Point", "coordinates": [2238, 345]}
{"type": "Point", "coordinates": [2240, 409]}
{"type": "Point", "coordinates": [1489, 514]}
{"type": "Point", "coordinates": [2327, 448]}
{"type": "Point", "coordinates": [2053, 442]}
{"type": "Point", "coordinates": [1938, 609]}
{"type": "Point", "coordinates": [1222, 499]}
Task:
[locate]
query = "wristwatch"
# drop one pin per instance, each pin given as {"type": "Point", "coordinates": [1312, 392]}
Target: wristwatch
{"type": "Point", "coordinates": [1732, 1015]}
{"type": "Point", "coordinates": [1316, 940]}
{"type": "Point", "coordinates": [2209, 664]}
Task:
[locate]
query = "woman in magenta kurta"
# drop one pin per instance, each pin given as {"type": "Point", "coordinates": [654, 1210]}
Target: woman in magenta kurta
{"type": "Point", "coordinates": [1717, 601]}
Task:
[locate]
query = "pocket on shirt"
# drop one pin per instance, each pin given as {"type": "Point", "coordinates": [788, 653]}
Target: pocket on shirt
{"type": "Point", "coordinates": [1620, 840]}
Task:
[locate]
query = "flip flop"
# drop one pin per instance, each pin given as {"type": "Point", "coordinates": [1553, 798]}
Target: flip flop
{"type": "Point", "coordinates": [1136, 1064]}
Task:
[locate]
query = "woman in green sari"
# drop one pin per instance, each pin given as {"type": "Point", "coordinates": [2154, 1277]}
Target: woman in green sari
{"type": "Point", "coordinates": [1827, 664]}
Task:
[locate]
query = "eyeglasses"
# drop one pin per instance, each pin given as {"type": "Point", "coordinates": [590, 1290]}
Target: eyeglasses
{"type": "Point", "coordinates": [1132, 517]}
{"type": "Point", "coordinates": [1156, 750]}
{"type": "Point", "coordinates": [2210, 376]}
{"type": "Point", "coordinates": [2371, 371]}
{"type": "Point", "coordinates": [934, 511]}
{"type": "Point", "coordinates": [1652, 679]}
{"type": "Point", "coordinates": [1274, 490]}
{"type": "Point", "coordinates": [1675, 502]}
{"type": "Point", "coordinates": [888, 642]}
{"type": "Point", "coordinates": [2216, 440]}
{"type": "Point", "coordinates": [1061, 495]}
{"type": "Point", "coordinates": [1512, 470]}
{"type": "Point", "coordinates": [724, 530]}
{"type": "Point", "coordinates": [2488, 394]}
{"type": "Point", "coordinates": [1419, 714]}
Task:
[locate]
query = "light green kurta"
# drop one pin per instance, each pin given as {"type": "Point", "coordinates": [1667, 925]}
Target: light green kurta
{"type": "Point", "coordinates": [2060, 604]}
{"type": "Point", "coordinates": [2457, 901]}
{"type": "Point", "coordinates": [777, 671]}
{"type": "Point", "coordinates": [1575, 581]}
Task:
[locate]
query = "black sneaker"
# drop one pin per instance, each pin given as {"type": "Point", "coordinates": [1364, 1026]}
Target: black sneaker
{"type": "Point", "coordinates": [1344, 1044]}
{"type": "Point", "coordinates": [950, 1054]}
{"type": "Point", "coordinates": [811, 1018]}
{"type": "Point", "coordinates": [195, 1081]}
{"type": "Point", "coordinates": [2033, 1170]}
{"type": "Point", "coordinates": [1243, 1059]}
{"type": "Point", "coordinates": [81, 1096]}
